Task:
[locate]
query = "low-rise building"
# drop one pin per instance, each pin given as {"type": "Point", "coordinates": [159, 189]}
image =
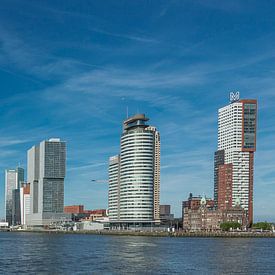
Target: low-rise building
{"type": "Point", "coordinates": [206, 217]}
{"type": "Point", "coordinates": [4, 224]}
{"type": "Point", "coordinates": [74, 209]}
{"type": "Point", "coordinates": [165, 214]}
{"type": "Point", "coordinates": [80, 214]}
{"type": "Point", "coordinates": [88, 225]}
{"type": "Point", "coordinates": [195, 202]}
{"type": "Point", "coordinates": [93, 215]}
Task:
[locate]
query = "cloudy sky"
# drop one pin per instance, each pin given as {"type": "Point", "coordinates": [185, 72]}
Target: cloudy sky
{"type": "Point", "coordinates": [69, 69]}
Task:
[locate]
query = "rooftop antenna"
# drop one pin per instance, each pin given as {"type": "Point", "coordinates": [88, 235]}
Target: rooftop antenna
{"type": "Point", "coordinates": [127, 110]}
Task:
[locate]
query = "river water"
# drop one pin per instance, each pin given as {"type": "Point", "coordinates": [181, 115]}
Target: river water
{"type": "Point", "coordinates": [39, 253]}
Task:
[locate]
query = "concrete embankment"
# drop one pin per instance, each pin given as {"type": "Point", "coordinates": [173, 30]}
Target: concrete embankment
{"type": "Point", "coordinates": [191, 234]}
{"type": "Point", "coordinates": [159, 234]}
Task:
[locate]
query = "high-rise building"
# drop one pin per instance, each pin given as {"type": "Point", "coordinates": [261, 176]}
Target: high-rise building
{"type": "Point", "coordinates": [134, 175]}
{"type": "Point", "coordinates": [46, 174]}
{"type": "Point", "coordinates": [114, 188]}
{"type": "Point", "coordinates": [25, 204]}
{"type": "Point", "coordinates": [13, 178]}
{"type": "Point", "coordinates": [16, 212]}
{"type": "Point", "coordinates": [234, 160]}
{"type": "Point", "coordinates": [225, 186]}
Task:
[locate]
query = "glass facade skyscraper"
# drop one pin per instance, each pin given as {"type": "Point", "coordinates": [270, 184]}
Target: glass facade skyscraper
{"type": "Point", "coordinates": [13, 179]}
{"type": "Point", "coordinates": [46, 174]}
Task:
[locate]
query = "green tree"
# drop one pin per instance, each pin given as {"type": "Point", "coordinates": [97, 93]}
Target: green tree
{"type": "Point", "coordinates": [262, 225]}
{"type": "Point", "coordinates": [225, 226]}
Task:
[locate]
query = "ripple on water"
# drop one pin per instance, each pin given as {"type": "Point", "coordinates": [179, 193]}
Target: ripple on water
{"type": "Point", "coordinates": [90, 254]}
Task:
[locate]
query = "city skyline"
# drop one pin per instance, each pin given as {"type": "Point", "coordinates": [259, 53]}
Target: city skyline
{"type": "Point", "coordinates": [77, 85]}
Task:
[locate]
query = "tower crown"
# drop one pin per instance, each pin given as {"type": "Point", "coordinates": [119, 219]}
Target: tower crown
{"type": "Point", "coordinates": [138, 120]}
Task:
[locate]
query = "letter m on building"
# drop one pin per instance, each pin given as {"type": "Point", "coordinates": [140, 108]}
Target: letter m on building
{"type": "Point", "coordinates": [234, 96]}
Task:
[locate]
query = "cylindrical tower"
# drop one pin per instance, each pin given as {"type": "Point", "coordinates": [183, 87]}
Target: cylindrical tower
{"type": "Point", "coordinates": [137, 170]}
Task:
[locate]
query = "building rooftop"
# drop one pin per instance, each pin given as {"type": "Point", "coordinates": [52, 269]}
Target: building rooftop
{"type": "Point", "coordinates": [136, 117]}
{"type": "Point", "coordinates": [138, 120]}
{"type": "Point", "coordinates": [54, 140]}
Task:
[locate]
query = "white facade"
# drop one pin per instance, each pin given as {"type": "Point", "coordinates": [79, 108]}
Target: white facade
{"type": "Point", "coordinates": [156, 172]}
{"type": "Point", "coordinates": [4, 224]}
{"type": "Point", "coordinates": [230, 138]}
{"type": "Point", "coordinates": [230, 128]}
{"type": "Point", "coordinates": [134, 175]}
{"type": "Point", "coordinates": [113, 196]}
{"type": "Point", "coordinates": [137, 176]}
{"type": "Point", "coordinates": [93, 226]}
{"type": "Point", "coordinates": [25, 205]}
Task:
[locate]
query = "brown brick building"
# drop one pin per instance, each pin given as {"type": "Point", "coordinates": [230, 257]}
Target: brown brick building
{"type": "Point", "coordinates": [206, 217]}
{"type": "Point", "coordinates": [74, 209]}
{"type": "Point", "coordinates": [225, 186]}
{"type": "Point", "coordinates": [195, 202]}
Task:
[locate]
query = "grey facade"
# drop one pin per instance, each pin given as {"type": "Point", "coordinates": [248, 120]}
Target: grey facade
{"type": "Point", "coordinates": [46, 174]}
{"type": "Point", "coordinates": [249, 125]}
{"type": "Point", "coordinates": [13, 178]}
{"type": "Point", "coordinates": [16, 212]}
{"type": "Point", "coordinates": [165, 213]}
{"type": "Point", "coordinates": [218, 160]}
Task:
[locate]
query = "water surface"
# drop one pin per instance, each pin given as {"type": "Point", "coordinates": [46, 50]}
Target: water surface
{"type": "Point", "coordinates": [39, 253]}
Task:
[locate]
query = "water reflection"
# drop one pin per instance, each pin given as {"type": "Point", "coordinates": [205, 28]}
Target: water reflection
{"type": "Point", "coordinates": [235, 255]}
{"type": "Point", "coordinates": [90, 254]}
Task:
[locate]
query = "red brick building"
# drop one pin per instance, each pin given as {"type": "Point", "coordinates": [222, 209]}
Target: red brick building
{"type": "Point", "coordinates": [206, 217]}
{"type": "Point", "coordinates": [74, 209]}
{"type": "Point", "coordinates": [225, 186]}
{"type": "Point", "coordinates": [195, 202]}
{"type": "Point", "coordinates": [78, 212]}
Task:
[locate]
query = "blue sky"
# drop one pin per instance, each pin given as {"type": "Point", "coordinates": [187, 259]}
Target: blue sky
{"type": "Point", "coordinates": [68, 69]}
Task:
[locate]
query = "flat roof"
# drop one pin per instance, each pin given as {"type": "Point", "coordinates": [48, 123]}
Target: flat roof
{"type": "Point", "coordinates": [136, 117]}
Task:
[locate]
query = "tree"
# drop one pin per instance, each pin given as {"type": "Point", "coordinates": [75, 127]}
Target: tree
{"type": "Point", "coordinates": [262, 225]}
{"type": "Point", "coordinates": [226, 226]}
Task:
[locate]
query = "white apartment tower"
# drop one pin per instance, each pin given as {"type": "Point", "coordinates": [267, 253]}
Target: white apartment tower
{"type": "Point", "coordinates": [25, 203]}
{"type": "Point", "coordinates": [114, 191]}
{"type": "Point", "coordinates": [234, 160]}
{"type": "Point", "coordinates": [134, 175]}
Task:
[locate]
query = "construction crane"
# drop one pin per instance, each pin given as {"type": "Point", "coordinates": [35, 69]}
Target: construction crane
{"type": "Point", "coordinates": [100, 181]}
